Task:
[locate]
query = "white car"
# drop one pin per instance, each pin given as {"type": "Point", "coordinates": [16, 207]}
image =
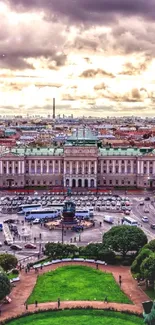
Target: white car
{"type": "Point", "coordinates": [36, 221]}
{"type": "Point", "coordinates": [145, 219]}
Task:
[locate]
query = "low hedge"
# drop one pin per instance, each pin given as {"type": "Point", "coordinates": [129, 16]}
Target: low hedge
{"type": "Point", "coordinates": [28, 313]}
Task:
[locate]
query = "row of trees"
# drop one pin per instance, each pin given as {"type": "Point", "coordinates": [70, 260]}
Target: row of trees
{"type": "Point", "coordinates": [119, 239]}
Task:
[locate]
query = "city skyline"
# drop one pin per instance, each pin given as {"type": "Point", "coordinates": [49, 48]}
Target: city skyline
{"type": "Point", "coordinates": [95, 58]}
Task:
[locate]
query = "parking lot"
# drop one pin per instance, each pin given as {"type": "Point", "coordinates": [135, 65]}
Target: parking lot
{"type": "Point", "coordinates": [137, 206]}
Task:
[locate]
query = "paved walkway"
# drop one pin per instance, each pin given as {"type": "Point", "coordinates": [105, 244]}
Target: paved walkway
{"type": "Point", "coordinates": [24, 287]}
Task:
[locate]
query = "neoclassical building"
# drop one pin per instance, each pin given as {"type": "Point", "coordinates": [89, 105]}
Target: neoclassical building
{"type": "Point", "coordinates": [80, 164]}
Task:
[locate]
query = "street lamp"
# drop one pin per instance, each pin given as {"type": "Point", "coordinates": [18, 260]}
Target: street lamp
{"type": "Point", "coordinates": [62, 233]}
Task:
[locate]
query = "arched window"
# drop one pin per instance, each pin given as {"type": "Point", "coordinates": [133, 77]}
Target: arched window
{"type": "Point", "coordinates": [92, 183]}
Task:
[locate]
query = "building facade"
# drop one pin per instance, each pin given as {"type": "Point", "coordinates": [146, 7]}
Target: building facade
{"type": "Point", "coordinates": [79, 164]}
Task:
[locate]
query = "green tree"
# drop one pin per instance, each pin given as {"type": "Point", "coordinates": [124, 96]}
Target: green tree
{"type": "Point", "coordinates": [150, 245]}
{"type": "Point", "coordinates": [135, 267]}
{"type": "Point", "coordinates": [8, 261]}
{"type": "Point", "coordinates": [5, 286]}
{"type": "Point", "coordinates": [91, 250]}
{"type": "Point", "coordinates": [148, 268]}
{"type": "Point", "coordinates": [123, 239]}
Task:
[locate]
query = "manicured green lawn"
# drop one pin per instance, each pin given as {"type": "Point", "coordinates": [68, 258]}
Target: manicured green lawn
{"type": "Point", "coordinates": [79, 317]}
{"type": "Point", "coordinates": [77, 283]}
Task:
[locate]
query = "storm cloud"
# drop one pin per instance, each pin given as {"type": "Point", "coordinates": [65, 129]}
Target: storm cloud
{"type": "Point", "coordinates": [90, 10]}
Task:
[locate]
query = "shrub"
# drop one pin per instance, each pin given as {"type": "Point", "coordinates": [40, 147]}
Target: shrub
{"type": "Point", "coordinates": [106, 255]}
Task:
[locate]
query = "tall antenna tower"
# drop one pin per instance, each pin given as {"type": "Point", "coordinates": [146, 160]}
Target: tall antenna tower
{"type": "Point", "coordinates": [53, 108]}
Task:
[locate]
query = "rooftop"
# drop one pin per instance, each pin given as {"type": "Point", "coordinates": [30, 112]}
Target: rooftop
{"type": "Point", "coordinates": [82, 136]}
{"type": "Point", "coordinates": [37, 151]}
{"type": "Point", "coordinates": [126, 151]}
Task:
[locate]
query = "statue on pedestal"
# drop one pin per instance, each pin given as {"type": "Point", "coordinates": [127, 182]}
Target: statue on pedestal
{"type": "Point", "coordinates": [149, 318]}
{"type": "Point", "coordinates": [69, 192]}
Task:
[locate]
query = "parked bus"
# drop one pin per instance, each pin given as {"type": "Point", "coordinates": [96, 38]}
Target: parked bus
{"type": "Point", "coordinates": [82, 214]}
{"type": "Point", "coordinates": [57, 206]}
{"type": "Point", "coordinates": [46, 213]}
{"type": "Point", "coordinates": [129, 221]}
{"type": "Point", "coordinates": [28, 207]}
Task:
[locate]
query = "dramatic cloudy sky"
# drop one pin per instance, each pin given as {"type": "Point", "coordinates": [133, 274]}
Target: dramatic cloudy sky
{"type": "Point", "coordinates": [96, 57]}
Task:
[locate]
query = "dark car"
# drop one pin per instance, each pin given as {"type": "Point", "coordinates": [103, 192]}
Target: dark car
{"type": "Point", "coordinates": [30, 246]}
{"type": "Point", "coordinates": [6, 242]}
{"type": "Point", "coordinates": [152, 226]}
{"type": "Point", "coordinates": [16, 247]}
{"type": "Point", "coordinates": [147, 198]}
{"type": "Point", "coordinates": [9, 221]}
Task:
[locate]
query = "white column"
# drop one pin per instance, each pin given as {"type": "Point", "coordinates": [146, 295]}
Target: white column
{"type": "Point", "coordinates": [82, 182]}
{"type": "Point", "coordinates": [70, 168]}
{"type": "Point", "coordinates": [113, 166]}
{"type": "Point", "coordinates": [23, 167]}
{"type": "Point", "coordinates": [59, 167]}
{"type": "Point", "coordinates": [29, 166]}
{"type": "Point", "coordinates": [1, 172]}
{"type": "Point", "coordinates": [153, 167]}
{"type": "Point", "coordinates": [89, 168]}
{"type": "Point", "coordinates": [19, 168]}
{"type": "Point", "coordinates": [95, 169]}
{"type": "Point", "coordinates": [138, 169]}
{"type": "Point", "coordinates": [142, 167]}
{"type": "Point", "coordinates": [41, 169]}
{"type": "Point", "coordinates": [132, 167]}
{"type": "Point", "coordinates": [107, 166]}
{"type": "Point", "coordinates": [147, 170]}
{"type": "Point", "coordinates": [101, 166]}
{"type": "Point", "coordinates": [95, 183]}
{"type": "Point", "coordinates": [88, 182]}
{"type": "Point", "coordinates": [77, 167]}
{"type": "Point", "coordinates": [64, 167]}
{"type": "Point", "coordinates": [47, 163]}
{"type": "Point", "coordinates": [35, 166]}
{"type": "Point", "coordinates": [125, 162]}
{"type": "Point", "coordinates": [83, 167]}
{"type": "Point", "coordinates": [53, 166]}
{"type": "Point", "coordinates": [13, 167]}
{"type": "Point", "coordinates": [119, 166]}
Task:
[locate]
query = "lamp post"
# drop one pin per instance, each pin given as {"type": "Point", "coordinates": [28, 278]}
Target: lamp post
{"type": "Point", "coordinates": [62, 233]}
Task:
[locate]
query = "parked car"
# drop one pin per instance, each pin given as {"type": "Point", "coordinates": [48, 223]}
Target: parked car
{"type": "Point", "coordinates": [141, 203]}
{"type": "Point", "coordinates": [152, 225]}
{"type": "Point", "coordinates": [16, 247]}
{"type": "Point", "coordinates": [147, 198]}
{"type": "Point", "coordinates": [145, 219]}
{"type": "Point", "coordinates": [36, 221]}
{"type": "Point", "coordinates": [146, 210]}
{"type": "Point", "coordinates": [127, 212]}
{"type": "Point", "coordinates": [30, 246]}
{"type": "Point", "coordinates": [7, 242]}
{"type": "Point", "coordinates": [9, 221]}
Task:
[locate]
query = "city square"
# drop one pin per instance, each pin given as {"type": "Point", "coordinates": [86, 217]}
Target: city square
{"type": "Point", "coordinates": [40, 235]}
